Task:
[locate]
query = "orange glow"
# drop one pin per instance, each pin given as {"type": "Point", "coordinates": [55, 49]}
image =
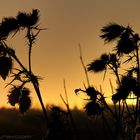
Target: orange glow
{"type": "Point", "coordinates": [55, 55]}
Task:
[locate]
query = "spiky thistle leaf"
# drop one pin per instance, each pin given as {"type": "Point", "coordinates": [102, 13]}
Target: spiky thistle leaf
{"type": "Point", "coordinates": [5, 66]}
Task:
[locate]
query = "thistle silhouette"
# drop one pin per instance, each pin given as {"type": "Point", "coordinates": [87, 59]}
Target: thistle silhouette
{"type": "Point", "coordinates": [19, 94]}
{"type": "Point", "coordinates": [125, 54]}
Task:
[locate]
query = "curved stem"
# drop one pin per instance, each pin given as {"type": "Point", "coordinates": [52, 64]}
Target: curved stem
{"type": "Point", "coordinates": [33, 80]}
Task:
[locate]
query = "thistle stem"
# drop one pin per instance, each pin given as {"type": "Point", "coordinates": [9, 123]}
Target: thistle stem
{"type": "Point", "coordinates": [36, 87]}
{"type": "Point", "coordinates": [29, 36]}
{"type": "Point", "coordinates": [34, 82]}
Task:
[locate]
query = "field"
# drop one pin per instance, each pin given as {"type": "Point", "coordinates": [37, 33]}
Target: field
{"type": "Point", "coordinates": [13, 125]}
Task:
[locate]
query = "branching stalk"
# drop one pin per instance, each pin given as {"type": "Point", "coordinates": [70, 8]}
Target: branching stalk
{"type": "Point", "coordinates": [33, 80]}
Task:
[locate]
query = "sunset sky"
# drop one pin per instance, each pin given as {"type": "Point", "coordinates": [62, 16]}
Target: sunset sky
{"type": "Point", "coordinates": [55, 56]}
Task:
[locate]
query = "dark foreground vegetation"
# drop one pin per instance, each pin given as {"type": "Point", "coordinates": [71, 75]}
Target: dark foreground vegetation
{"type": "Point", "coordinates": [31, 125]}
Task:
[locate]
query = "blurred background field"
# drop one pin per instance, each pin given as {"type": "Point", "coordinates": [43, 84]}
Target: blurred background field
{"type": "Point", "coordinates": [31, 125]}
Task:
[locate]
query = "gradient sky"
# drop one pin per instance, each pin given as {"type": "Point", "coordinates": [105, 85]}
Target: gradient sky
{"type": "Point", "coordinates": [55, 54]}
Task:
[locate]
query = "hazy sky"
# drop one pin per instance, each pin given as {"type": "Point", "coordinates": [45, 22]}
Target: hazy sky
{"type": "Point", "coordinates": [56, 54]}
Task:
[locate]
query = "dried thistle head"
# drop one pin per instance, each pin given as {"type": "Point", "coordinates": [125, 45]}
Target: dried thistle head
{"type": "Point", "coordinates": [28, 19]}
{"type": "Point", "coordinates": [20, 95]}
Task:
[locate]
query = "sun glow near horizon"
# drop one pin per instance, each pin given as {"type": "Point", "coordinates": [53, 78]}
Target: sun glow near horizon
{"type": "Point", "coordinates": [55, 55]}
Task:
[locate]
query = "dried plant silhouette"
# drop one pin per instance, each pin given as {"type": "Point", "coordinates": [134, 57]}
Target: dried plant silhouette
{"type": "Point", "coordinates": [123, 62]}
{"type": "Point", "coordinates": [21, 75]}
{"type": "Point", "coordinates": [59, 126]}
